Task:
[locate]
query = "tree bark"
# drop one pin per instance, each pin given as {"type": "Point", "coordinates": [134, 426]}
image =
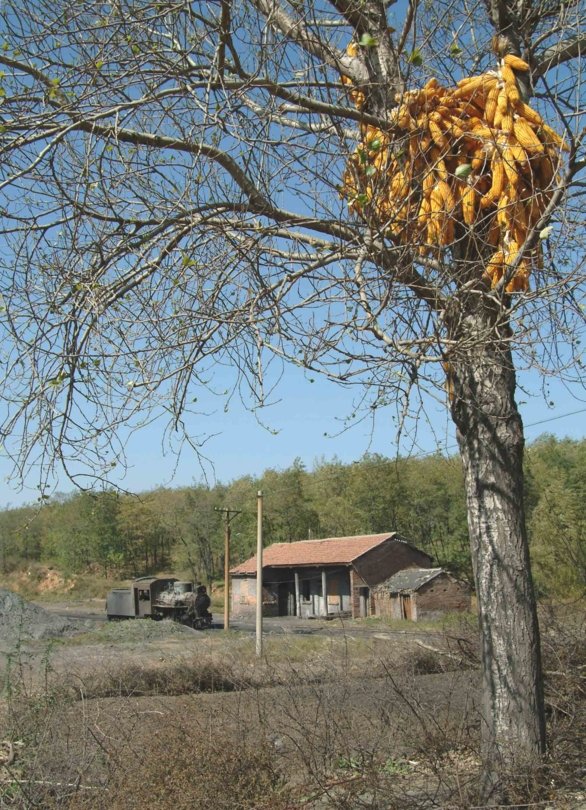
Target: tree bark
{"type": "Point", "coordinates": [490, 436]}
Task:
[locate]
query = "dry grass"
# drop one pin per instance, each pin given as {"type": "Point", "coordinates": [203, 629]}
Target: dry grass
{"type": "Point", "coordinates": [344, 723]}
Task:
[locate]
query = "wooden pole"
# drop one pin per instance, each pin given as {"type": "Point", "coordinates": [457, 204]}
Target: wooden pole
{"type": "Point", "coordinates": [227, 572]}
{"type": "Point", "coordinates": [259, 576]}
{"type": "Point", "coordinates": [229, 515]}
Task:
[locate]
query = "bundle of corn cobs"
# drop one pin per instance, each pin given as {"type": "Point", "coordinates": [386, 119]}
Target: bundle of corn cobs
{"type": "Point", "coordinates": [475, 159]}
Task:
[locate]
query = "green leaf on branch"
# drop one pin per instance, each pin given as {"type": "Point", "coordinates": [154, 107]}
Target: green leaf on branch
{"type": "Point", "coordinates": [368, 41]}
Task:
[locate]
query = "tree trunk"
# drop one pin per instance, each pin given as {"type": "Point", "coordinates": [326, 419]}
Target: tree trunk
{"type": "Point", "coordinates": [490, 437]}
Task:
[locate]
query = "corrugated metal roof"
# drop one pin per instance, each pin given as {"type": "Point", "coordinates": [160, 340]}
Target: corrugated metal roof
{"type": "Point", "coordinates": [330, 551]}
{"type": "Point", "coordinates": [409, 579]}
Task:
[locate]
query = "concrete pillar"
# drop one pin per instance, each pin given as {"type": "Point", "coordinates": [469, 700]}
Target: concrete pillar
{"type": "Point", "coordinates": [297, 595]}
{"type": "Point", "coordinates": [324, 592]}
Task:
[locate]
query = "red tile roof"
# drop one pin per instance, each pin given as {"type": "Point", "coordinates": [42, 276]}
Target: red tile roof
{"type": "Point", "coordinates": [331, 551]}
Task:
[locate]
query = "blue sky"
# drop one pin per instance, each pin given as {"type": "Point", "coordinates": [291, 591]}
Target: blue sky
{"type": "Point", "coordinates": [306, 423]}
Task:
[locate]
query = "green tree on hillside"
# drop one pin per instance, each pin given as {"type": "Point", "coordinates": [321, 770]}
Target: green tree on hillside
{"type": "Point", "coordinates": [200, 533]}
{"type": "Point", "coordinates": [331, 493]}
{"type": "Point", "coordinates": [290, 515]}
{"type": "Point", "coordinates": [557, 495]}
{"type": "Point", "coordinates": [81, 531]}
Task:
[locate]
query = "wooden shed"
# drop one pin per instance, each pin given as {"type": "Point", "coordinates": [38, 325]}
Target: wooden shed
{"type": "Point", "coordinates": [330, 577]}
{"type": "Point", "coordinates": [418, 593]}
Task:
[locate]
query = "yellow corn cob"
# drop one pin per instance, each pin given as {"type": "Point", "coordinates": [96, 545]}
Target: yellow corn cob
{"type": "Point", "coordinates": [526, 136]}
{"type": "Point", "coordinates": [507, 123]}
{"type": "Point", "coordinates": [510, 167]}
{"type": "Point", "coordinates": [424, 211]}
{"type": "Point", "coordinates": [432, 87]}
{"type": "Point", "coordinates": [493, 236]}
{"type": "Point", "coordinates": [502, 101]}
{"type": "Point", "coordinates": [498, 182]}
{"type": "Point", "coordinates": [517, 223]}
{"type": "Point", "coordinates": [372, 133]}
{"type": "Point", "coordinates": [404, 120]}
{"type": "Point", "coordinates": [484, 133]}
{"type": "Point", "coordinates": [552, 136]}
{"type": "Point", "coordinates": [352, 49]}
{"type": "Point", "coordinates": [446, 231]}
{"type": "Point", "coordinates": [474, 84]}
{"type": "Point", "coordinates": [529, 114]}
{"type": "Point", "coordinates": [437, 135]}
{"type": "Point", "coordinates": [513, 94]}
{"type": "Point", "coordinates": [469, 197]}
{"type": "Point", "coordinates": [441, 170]}
{"type": "Point", "coordinates": [515, 62]}
{"type": "Point", "coordinates": [455, 127]}
{"type": "Point", "coordinates": [491, 104]}
{"type": "Point", "coordinates": [503, 213]}
{"type": "Point", "coordinates": [399, 186]}
{"type": "Point", "coordinates": [432, 235]}
{"type": "Point", "coordinates": [507, 75]}
{"type": "Point", "coordinates": [446, 100]}
{"type": "Point", "coordinates": [470, 83]}
{"type": "Point", "coordinates": [494, 267]}
{"type": "Point", "coordinates": [414, 146]}
{"type": "Point", "coordinates": [519, 233]}
{"type": "Point", "coordinates": [511, 252]}
{"type": "Point", "coordinates": [428, 183]}
{"type": "Point", "coordinates": [518, 154]}
{"type": "Point", "coordinates": [473, 107]}
{"type": "Point", "coordinates": [426, 141]}
{"type": "Point", "coordinates": [519, 282]}
{"type": "Point", "coordinates": [446, 193]}
{"type": "Point", "coordinates": [436, 202]}
{"type": "Point", "coordinates": [440, 112]}
{"type": "Point", "coordinates": [478, 160]}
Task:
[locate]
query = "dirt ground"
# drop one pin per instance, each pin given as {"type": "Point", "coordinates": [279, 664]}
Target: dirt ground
{"type": "Point", "coordinates": [99, 713]}
{"type": "Point", "coordinates": [322, 694]}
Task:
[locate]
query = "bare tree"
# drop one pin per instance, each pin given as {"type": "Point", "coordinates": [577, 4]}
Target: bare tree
{"type": "Point", "coordinates": [176, 189]}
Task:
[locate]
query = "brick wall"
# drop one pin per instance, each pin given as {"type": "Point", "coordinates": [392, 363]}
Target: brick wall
{"type": "Point", "coordinates": [243, 598]}
{"type": "Point", "coordinates": [443, 594]}
{"type": "Point", "coordinates": [388, 558]}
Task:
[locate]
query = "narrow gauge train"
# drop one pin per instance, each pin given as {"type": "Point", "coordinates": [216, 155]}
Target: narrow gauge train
{"type": "Point", "coordinates": [156, 598]}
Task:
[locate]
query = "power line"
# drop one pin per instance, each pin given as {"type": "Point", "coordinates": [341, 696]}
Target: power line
{"type": "Point", "coordinates": [554, 418]}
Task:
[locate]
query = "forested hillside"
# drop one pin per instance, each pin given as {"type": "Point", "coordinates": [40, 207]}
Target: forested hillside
{"type": "Point", "coordinates": [422, 498]}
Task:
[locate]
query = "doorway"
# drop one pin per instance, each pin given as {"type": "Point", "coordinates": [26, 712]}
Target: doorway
{"type": "Point", "coordinates": [363, 601]}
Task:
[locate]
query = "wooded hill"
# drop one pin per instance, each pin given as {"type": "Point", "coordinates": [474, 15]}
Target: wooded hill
{"type": "Point", "coordinates": [422, 498]}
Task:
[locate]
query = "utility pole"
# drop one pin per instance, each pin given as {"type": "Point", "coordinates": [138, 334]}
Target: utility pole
{"type": "Point", "coordinates": [229, 515]}
{"type": "Point", "coordinates": [259, 576]}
